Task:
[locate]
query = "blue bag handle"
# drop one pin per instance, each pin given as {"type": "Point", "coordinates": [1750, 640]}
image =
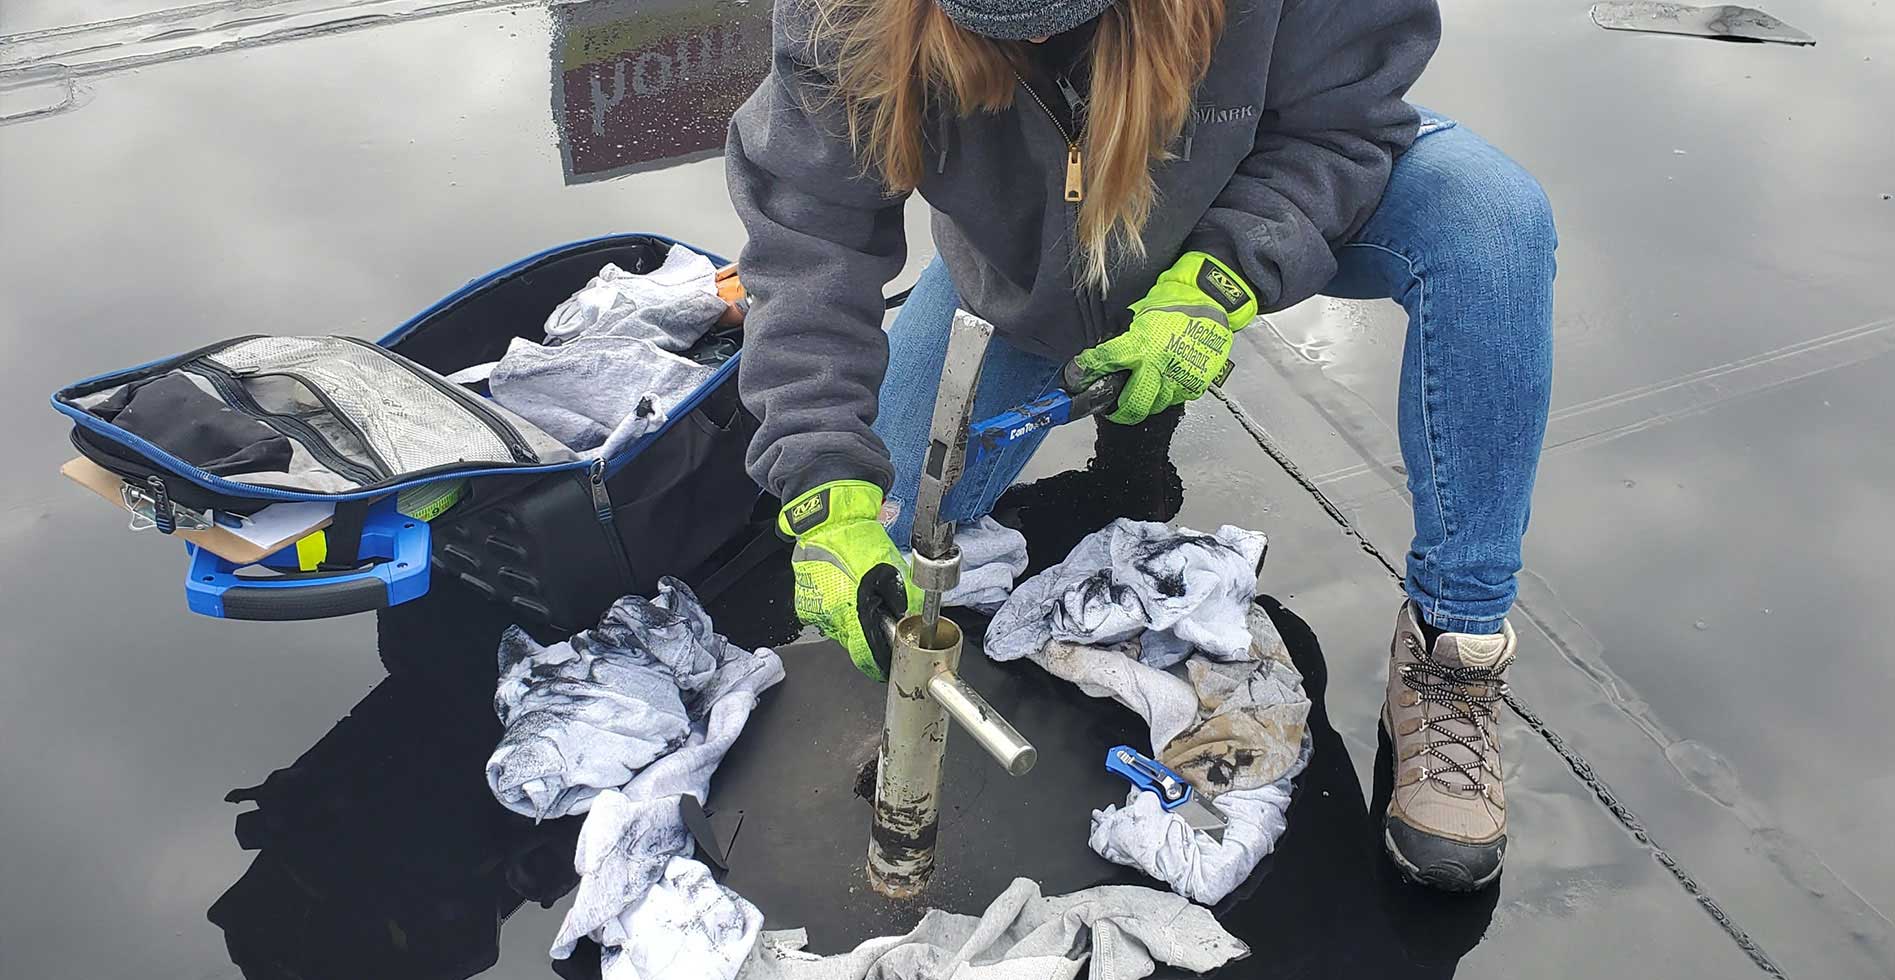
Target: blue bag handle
{"type": "Point", "coordinates": [397, 544]}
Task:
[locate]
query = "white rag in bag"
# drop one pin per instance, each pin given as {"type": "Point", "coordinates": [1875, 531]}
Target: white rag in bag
{"type": "Point", "coordinates": [645, 419]}
{"type": "Point", "coordinates": [1116, 932]}
{"type": "Point", "coordinates": [611, 369]}
{"type": "Point", "coordinates": [672, 306]}
{"type": "Point", "coordinates": [583, 391]}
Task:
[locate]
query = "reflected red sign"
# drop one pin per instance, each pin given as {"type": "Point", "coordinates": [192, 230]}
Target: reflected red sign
{"type": "Point", "coordinates": [637, 86]}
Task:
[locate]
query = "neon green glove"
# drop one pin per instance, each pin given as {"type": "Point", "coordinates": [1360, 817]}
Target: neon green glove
{"type": "Point", "coordinates": [848, 573]}
{"type": "Point", "coordinates": [1179, 341]}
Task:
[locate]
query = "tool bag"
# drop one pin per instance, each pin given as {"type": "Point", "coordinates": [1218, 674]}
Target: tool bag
{"type": "Point", "coordinates": [372, 427]}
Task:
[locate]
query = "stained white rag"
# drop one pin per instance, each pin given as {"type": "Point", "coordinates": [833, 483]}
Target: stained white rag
{"type": "Point", "coordinates": [646, 417]}
{"type": "Point", "coordinates": [1229, 718]}
{"type": "Point", "coordinates": [1221, 725]}
{"type": "Point", "coordinates": [634, 839]}
{"type": "Point", "coordinates": [671, 306]}
{"type": "Point", "coordinates": [1237, 731]}
{"type": "Point", "coordinates": [687, 925]}
{"type": "Point", "coordinates": [1124, 930]}
{"type": "Point", "coordinates": [632, 834]}
{"type": "Point", "coordinates": [1176, 589]}
{"type": "Point", "coordinates": [1142, 835]}
{"type": "Point", "coordinates": [585, 715]}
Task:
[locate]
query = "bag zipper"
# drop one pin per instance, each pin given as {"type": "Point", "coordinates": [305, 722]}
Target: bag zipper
{"type": "Point", "coordinates": [137, 470]}
{"type": "Point", "coordinates": [501, 429]}
{"type": "Point", "coordinates": [65, 396]}
{"type": "Point", "coordinates": [342, 417]}
{"type": "Point", "coordinates": [601, 498]}
{"type": "Point", "coordinates": [105, 440]}
{"type": "Point", "coordinates": [608, 523]}
{"type": "Point", "coordinates": [232, 391]}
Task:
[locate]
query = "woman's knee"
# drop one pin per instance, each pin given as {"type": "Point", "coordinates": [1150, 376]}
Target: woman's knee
{"type": "Point", "coordinates": [1519, 206]}
{"type": "Point", "coordinates": [1484, 212]}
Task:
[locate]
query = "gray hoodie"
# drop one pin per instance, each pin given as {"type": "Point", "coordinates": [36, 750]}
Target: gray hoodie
{"type": "Point", "coordinates": [1286, 155]}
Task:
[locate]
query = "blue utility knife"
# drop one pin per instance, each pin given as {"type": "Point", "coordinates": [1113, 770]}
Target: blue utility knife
{"type": "Point", "coordinates": [1174, 794]}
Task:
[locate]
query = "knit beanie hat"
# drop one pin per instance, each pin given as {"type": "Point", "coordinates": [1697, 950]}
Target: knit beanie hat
{"type": "Point", "coordinates": [1018, 20]}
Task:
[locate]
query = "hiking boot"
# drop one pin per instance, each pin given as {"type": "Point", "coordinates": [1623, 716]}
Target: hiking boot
{"type": "Point", "coordinates": [1447, 818]}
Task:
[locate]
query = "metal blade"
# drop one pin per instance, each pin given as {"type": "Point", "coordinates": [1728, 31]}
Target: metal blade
{"type": "Point", "coordinates": [1200, 815]}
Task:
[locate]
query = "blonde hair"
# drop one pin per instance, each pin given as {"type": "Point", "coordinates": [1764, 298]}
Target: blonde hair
{"type": "Point", "coordinates": [893, 60]}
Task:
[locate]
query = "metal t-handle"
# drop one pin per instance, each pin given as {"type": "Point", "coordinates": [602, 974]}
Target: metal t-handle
{"type": "Point", "coordinates": [924, 690]}
{"type": "Point", "coordinates": [993, 733]}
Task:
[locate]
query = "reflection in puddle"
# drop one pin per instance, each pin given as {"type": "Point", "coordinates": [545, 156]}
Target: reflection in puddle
{"type": "Point", "coordinates": [643, 84]}
{"type": "Point", "coordinates": [1131, 474]}
{"type": "Point", "coordinates": [380, 851]}
{"type": "Point", "coordinates": [1332, 333]}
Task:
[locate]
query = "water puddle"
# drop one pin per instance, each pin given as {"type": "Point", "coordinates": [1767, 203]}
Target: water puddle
{"type": "Point", "coordinates": [1337, 335]}
{"type": "Point", "coordinates": [185, 32]}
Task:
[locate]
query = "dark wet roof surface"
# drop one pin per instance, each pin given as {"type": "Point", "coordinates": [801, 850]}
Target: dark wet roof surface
{"type": "Point", "coordinates": [1704, 624]}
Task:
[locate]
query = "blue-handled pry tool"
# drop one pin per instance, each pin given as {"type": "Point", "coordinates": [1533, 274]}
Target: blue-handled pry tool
{"type": "Point", "coordinates": [1074, 400]}
{"type": "Point", "coordinates": [1174, 794]}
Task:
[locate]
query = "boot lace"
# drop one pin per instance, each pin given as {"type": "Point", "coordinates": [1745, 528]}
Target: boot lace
{"type": "Point", "coordinates": [1468, 696]}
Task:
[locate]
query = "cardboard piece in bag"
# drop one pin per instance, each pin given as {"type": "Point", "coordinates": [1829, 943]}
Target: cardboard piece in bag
{"type": "Point", "coordinates": [220, 541]}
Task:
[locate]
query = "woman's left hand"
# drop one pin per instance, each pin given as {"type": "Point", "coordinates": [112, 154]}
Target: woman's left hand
{"type": "Point", "coordinates": [1179, 342]}
{"type": "Point", "coordinates": [731, 290]}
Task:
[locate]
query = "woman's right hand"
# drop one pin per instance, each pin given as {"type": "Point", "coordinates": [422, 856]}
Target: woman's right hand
{"type": "Point", "coordinates": [1179, 342]}
{"type": "Point", "coordinates": [849, 576]}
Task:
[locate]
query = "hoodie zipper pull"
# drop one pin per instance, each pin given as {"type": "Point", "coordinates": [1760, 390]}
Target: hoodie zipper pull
{"type": "Point", "coordinates": [1075, 103]}
{"type": "Point", "coordinates": [1076, 107]}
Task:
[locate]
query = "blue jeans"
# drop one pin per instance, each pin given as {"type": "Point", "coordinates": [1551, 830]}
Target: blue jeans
{"type": "Point", "coordinates": [1464, 240]}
